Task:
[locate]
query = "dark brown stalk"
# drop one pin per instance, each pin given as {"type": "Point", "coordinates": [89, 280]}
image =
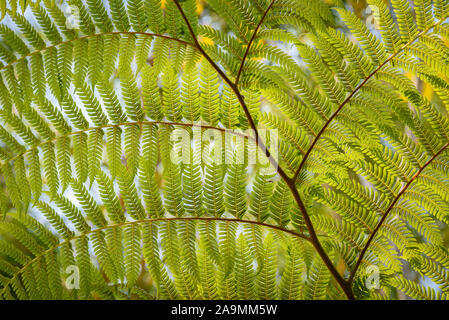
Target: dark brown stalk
{"type": "Point", "coordinates": [290, 182]}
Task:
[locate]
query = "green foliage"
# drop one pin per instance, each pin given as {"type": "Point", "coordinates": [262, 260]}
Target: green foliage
{"type": "Point", "coordinates": [93, 119]}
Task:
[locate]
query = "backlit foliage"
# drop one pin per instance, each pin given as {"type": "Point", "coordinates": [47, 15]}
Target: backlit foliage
{"type": "Point", "coordinates": [87, 112]}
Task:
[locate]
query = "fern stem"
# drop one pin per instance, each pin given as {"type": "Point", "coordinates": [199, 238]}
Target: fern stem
{"type": "Point", "coordinates": [352, 94]}
{"type": "Point", "coordinates": [92, 36]}
{"type": "Point", "coordinates": [290, 182]}
{"type": "Point", "coordinates": [127, 124]}
{"type": "Point", "coordinates": [234, 88]}
{"type": "Point", "coordinates": [248, 47]}
{"type": "Point", "coordinates": [43, 253]}
{"type": "Point", "coordinates": [345, 286]}
{"type": "Point", "coordinates": [390, 207]}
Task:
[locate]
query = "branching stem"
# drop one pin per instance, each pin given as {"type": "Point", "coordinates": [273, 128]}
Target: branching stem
{"type": "Point", "coordinates": [353, 93]}
{"type": "Point", "coordinates": [390, 207]}
{"type": "Point", "coordinates": [289, 181]}
{"type": "Point", "coordinates": [346, 285]}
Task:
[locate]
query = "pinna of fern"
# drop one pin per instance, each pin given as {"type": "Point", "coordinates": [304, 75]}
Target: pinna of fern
{"type": "Point", "coordinates": [95, 208]}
